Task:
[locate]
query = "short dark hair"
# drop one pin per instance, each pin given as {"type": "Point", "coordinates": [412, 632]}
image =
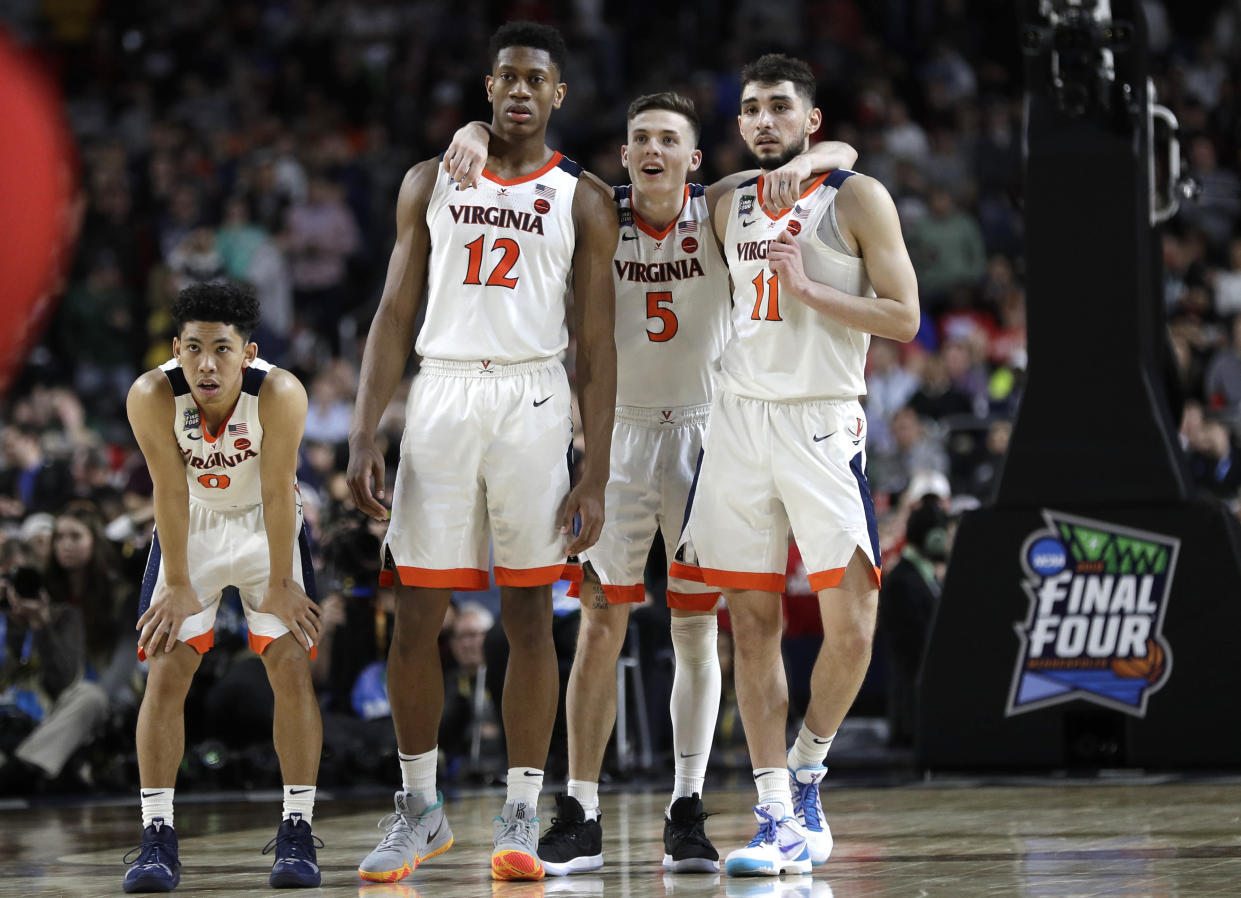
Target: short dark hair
{"type": "Point", "coordinates": [529, 34]}
{"type": "Point", "coordinates": [217, 301]}
{"type": "Point", "coordinates": [672, 102]}
{"type": "Point", "coordinates": [776, 67]}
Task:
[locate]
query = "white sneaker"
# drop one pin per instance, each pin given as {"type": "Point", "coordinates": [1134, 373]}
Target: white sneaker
{"type": "Point", "coordinates": [808, 809]}
{"type": "Point", "coordinates": [778, 847]}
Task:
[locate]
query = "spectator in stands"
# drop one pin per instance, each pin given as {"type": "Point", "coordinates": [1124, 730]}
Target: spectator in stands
{"type": "Point", "coordinates": [29, 480]}
{"type": "Point", "coordinates": [467, 713]}
{"type": "Point", "coordinates": [946, 248]}
{"type": "Point", "coordinates": [1223, 375]}
{"type": "Point", "coordinates": [1216, 466]}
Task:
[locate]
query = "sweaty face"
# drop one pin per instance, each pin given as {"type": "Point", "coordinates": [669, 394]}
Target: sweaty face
{"type": "Point", "coordinates": [523, 88]}
{"type": "Point", "coordinates": [660, 153]}
{"type": "Point", "coordinates": [213, 356]}
{"type": "Point", "coordinates": [775, 122]}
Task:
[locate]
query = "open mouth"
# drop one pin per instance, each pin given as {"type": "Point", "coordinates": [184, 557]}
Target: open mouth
{"type": "Point", "coordinates": [519, 113]}
{"type": "Point", "coordinates": [767, 140]}
{"type": "Point", "coordinates": [208, 387]}
{"type": "Point", "coordinates": [652, 170]}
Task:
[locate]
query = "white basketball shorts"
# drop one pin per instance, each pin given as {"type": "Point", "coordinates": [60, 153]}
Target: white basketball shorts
{"type": "Point", "coordinates": [768, 466]}
{"type": "Point", "coordinates": [229, 548]}
{"type": "Point", "coordinates": [485, 456]}
{"type": "Point", "coordinates": [654, 456]}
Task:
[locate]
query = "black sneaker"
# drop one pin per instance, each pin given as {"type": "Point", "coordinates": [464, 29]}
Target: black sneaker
{"type": "Point", "coordinates": [686, 846]}
{"type": "Point", "coordinates": [296, 865]}
{"type": "Point", "coordinates": [156, 867]}
{"type": "Point", "coordinates": [572, 844]}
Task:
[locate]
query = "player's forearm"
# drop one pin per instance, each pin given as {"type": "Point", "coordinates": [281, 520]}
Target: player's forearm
{"type": "Point", "coordinates": [383, 363]}
{"type": "Point", "coordinates": [172, 526]}
{"type": "Point", "coordinates": [829, 155]}
{"type": "Point", "coordinates": [877, 315]}
{"type": "Point", "coordinates": [279, 521]}
{"type": "Point", "coordinates": [596, 390]}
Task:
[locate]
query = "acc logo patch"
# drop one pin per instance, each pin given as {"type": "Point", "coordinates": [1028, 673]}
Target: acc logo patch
{"type": "Point", "coordinates": [689, 245]}
{"type": "Point", "coordinates": [1098, 594]}
{"type": "Point", "coordinates": [793, 227]}
{"type": "Point", "coordinates": [241, 445]}
{"type": "Point", "coordinates": [542, 206]}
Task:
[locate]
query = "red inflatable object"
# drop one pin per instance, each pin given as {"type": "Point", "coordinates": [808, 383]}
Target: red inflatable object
{"type": "Point", "coordinates": [36, 199]}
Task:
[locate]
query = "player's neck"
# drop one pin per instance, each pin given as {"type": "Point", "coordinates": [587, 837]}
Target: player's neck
{"type": "Point", "coordinates": [658, 208]}
{"type": "Point", "coordinates": [217, 410]}
{"type": "Point", "coordinates": [514, 158]}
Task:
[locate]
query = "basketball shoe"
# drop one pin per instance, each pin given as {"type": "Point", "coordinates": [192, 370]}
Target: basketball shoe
{"type": "Point", "coordinates": [572, 844]}
{"type": "Point", "coordinates": [808, 809]}
{"type": "Point", "coordinates": [686, 846]}
{"type": "Point", "coordinates": [417, 832]}
{"type": "Point", "coordinates": [778, 847]}
{"type": "Point", "coordinates": [516, 852]}
{"type": "Point", "coordinates": [296, 865]}
{"type": "Point", "coordinates": [157, 867]}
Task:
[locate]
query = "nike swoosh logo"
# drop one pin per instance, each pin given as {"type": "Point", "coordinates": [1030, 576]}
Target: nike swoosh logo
{"type": "Point", "coordinates": [792, 846]}
{"type": "Point", "coordinates": [823, 741]}
{"type": "Point", "coordinates": [431, 837]}
{"type": "Point", "coordinates": [629, 236]}
{"type": "Point", "coordinates": [527, 772]}
{"type": "Point", "coordinates": [746, 224]}
{"type": "Point", "coordinates": [819, 440]}
{"type": "Point", "coordinates": [151, 794]}
{"type": "Point", "coordinates": [541, 401]}
{"type": "Point", "coordinates": [692, 755]}
{"type": "Point", "coordinates": [298, 791]}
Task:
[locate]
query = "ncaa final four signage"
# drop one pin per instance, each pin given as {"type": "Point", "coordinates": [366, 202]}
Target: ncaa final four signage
{"type": "Point", "coordinates": [1098, 594]}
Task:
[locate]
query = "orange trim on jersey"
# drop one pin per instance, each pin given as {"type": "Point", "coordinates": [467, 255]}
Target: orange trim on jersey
{"type": "Point", "coordinates": [464, 578]}
{"type": "Point", "coordinates": [821, 580]}
{"type": "Point", "coordinates": [815, 185]}
{"type": "Point", "coordinates": [693, 601]}
{"type": "Point", "coordinates": [534, 576]}
{"type": "Point", "coordinates": [625, 595]}
{"type": "Point", "coordinates": [685, 572]}
{"type": "Point", "coordinates": [551, 163]}
{"type": "Point", "coordinates": [259, 644]}
{"type": "Point", "coordinates": [202, 420]}
{"type": "Point", "coordinates": [201, 643]}
{"type": "Point", "coordinates": [649, 230]}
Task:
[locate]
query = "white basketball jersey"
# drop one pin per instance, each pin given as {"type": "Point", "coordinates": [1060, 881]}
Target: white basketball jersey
{"type": "Point", "coordinates": [222, 468]}
{"type": "Point", "coordinates": [500, 260]}
{"type": "Point", "coordinates": [671, 305]}
{"type": "Point", "coordinates": [781, 348]}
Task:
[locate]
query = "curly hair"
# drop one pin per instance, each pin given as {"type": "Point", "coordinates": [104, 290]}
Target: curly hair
{"type": "Point", "coordinates": [217, 301]}
{"type": "Point", "coordinates": [529, 34]}
{"type": "Point", "coordinates": [773, 68]}
{"type": "Point", "coordinates": [670, 101]}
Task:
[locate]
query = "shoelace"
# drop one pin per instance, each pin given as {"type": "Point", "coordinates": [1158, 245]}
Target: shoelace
{"type": "Point", "coordinates": [149, 853]}
{"type": "Point", "coordinates": [562, 831]}
{"type": "Point", "coordinates": [689, 829]}
{"type": "Point", "coordinates": [397, 826]}
{"type": "Point", "coordinates": [292, 845]}
{"type": "Point", "coordinates": [806, 802]}
{"type": "Point", "coordinates": [766, 830]}
{"type": "Point", "coordinates": [513, 827]}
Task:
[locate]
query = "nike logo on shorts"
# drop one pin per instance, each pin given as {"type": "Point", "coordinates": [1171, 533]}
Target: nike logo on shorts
{"type": "Point", "coordinates": [541, 401]}
{"type": "Point", "coordinates": [818, 439]}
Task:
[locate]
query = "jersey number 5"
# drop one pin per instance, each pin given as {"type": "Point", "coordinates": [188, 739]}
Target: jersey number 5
{"type": "Point", "coordinates": [499, 275]}
{"type": "Point", "coordinates": [655, 309]}
{"type": "Point", "coordinates": [773, 299]}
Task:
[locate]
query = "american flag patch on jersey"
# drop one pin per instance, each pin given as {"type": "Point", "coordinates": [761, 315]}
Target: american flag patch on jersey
{"type": "Point", "coordinates": [689, 226]}
{"type": "Point", "coordinates": [548, 193]}
{"type": "Point", "coordinates": [800, 212]}
{"type": "Point", "coordinates": [237, 428]}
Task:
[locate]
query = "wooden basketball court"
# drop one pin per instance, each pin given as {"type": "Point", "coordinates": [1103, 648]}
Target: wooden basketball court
{"type": "Point", "coordinates": [1134, 836]}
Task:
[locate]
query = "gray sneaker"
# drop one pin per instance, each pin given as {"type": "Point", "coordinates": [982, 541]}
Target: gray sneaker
{"type": "Point", "coordinates": [415, 832]}
{"type": "Point", "coordinates": [516, 854]}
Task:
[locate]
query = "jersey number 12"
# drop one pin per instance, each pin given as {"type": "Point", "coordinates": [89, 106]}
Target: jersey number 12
{"type": "Point", "coordinates": [499, 275]}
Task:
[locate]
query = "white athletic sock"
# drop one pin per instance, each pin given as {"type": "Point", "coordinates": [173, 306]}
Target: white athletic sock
{"type": "Point", "coordinates": [524, 784]}
{"type": "Point", "coordinates": [810, 749]}
{"type": "Point", "coordinates": [773, 789]}
{"type": "Point", "coordinates": [299, 800]}
{"type": "Point", "coordinates": [418, 772]}
{"type": "Point", "coordinates": [695, 699]}
{"type": "Point", "coordinates": [156, 803]}
{"type": "Point", "coordinates": [587, 795]}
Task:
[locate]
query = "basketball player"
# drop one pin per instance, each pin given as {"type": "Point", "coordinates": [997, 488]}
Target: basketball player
{"type": "Point", "coordinates": [220, 429]}
{"type": "Point", "coordinates": [489, 426]}
{"type": "Point", "coordinates": [786, 446]}
{"type": "Point", "coordinates": [672, 321]}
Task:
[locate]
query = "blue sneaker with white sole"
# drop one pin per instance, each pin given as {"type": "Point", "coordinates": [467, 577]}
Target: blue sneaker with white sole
{"type": "Point", "coordinates": [157, 868]}
{"type": "Point", "coordinates": [296, 865]}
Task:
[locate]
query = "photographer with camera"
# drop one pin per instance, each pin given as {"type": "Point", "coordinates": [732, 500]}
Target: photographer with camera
{"type": "Point", "coordinates": [62, 643]}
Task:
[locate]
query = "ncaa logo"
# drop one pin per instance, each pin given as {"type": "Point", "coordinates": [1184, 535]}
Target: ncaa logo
{"type": "Point", "coordinates": [689, 245]}
{"type": "Point", "coordinates": [542, 206]}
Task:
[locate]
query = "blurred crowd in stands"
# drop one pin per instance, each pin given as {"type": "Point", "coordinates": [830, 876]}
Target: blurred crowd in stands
{"type": "Point", "coordinates": [264, 141]}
